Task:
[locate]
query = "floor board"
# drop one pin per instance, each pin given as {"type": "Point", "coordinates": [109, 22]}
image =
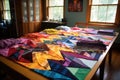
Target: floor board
{"type": "Point", "coordinates": [112, 72]}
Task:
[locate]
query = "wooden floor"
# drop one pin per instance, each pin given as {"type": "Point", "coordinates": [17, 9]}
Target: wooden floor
{"type": "Point", "coordinates": [112, 72]}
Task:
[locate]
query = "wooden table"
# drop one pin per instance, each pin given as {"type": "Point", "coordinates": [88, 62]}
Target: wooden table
{"type": "Point", "coordinates": [101, 62]}
{"type": "Point", "coordinates": [34, 76]}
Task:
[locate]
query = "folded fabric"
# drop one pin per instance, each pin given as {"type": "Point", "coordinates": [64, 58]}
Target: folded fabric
{"type": "Point", "coordinates": [91, 44]}
{"type": "Point", "coordinates": [106, 32]}
{"type": "Point", "coordinates": [66, 28]}
{"type": "Point", "coordinates": [51, 31]}
{"type": "Point", "coordinates": [76, 28]}
{"type": "Point", "coordinates": [8, 42]}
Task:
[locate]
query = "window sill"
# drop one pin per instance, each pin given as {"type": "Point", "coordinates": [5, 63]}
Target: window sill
{"type": "Point", "coordinates": [95, 24]}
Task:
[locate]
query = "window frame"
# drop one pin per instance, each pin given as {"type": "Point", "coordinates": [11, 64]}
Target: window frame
{"type": "Point", "coordinates": [88, 15]}
{"type": "Point", "coordinates": [47, 9]}
{"type": "Point", "coordinates": [4, 11]}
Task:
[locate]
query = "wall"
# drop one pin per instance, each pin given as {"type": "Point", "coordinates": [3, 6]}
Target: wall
{"type": "Point", "coordinates": [73, 17]}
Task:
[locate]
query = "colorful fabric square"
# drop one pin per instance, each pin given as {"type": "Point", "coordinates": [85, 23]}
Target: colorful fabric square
{"type": "Point", "coordinates": [4, 52]}
{"type": "Point", "coordinates": [33, 65]}
{"type": "Point", "coordinates": [27, 56]}
{"type": "Point", "coordinates": [42, 57]}
{"type": "Point", "coordinates": [65, 41]}
{"type": "Point", "coordinates": [69, 63]}
{"type": "Point", "coordinates": [52, 75]}
{"type": "Point", "coordinates": [94, 55]}
{"type": "Point", "coordinates": [72, 37]}
{"type": "Point", "coordinates": [76, 60]}
{"type": "Point", "coordinates": [77, 55]}
{"type": "Point", "coordinates": [89, 63]}
{"type": "Point", "coordinates": [79, 73]}
{"type": "Point", "coordinates": [61, 69]}
{"type": "Point", "coordinates": [56, 49]}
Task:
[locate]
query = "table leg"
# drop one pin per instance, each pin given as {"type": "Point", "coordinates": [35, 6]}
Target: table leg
{"type": "Point", "coordinates": [110, 56]}
{"type": "Point", "coordinates": [102, 66]}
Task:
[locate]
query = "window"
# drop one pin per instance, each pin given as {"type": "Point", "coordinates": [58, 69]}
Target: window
{"type": "Point", "coordinates": [6, 10]}
{"type": "Point", "coordinates": [55, 9]}
{"type": "Point", "coordinates": [102, 11]}
{"type": "Point", "coordinates": [31, 10]}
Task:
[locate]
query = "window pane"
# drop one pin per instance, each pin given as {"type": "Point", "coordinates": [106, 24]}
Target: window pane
{"type": "Point", "coordinates": [7, 15]}
{"type": "Point", "coordinates": [112, 1]}
{"type": "Point", "coordinates": [24, 8]}
{"type": "Point", "coordinates": [31, 11]}
{"type": "Point", "coordinates": [37, 10]}
{"type": "Point", "coordinates": [102, 13]}
{"type": "Point", "coordinates": [55, 13]}
{"type": "Point", "coordinates": [95, 1]}
{"type": "Point", "coordinates": [6, 5]}
{"type": "Point", "coordinates": [94, 13]}
{"type": "Point", "coordinates": [111, 13]}
{"type": "Point", "coordinates": [104, 2]}
{"type": "Point", "coordinates": [56, 2]}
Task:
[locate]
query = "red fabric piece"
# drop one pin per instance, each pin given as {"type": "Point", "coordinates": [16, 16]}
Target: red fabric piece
{"type": "Point", "coordinates": [75, 28]}
{"type": "Point", "coordinates": [11, 51]}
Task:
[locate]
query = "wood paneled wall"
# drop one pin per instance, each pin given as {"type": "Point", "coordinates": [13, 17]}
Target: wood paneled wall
{"type": "Point", "coordinates": [29, 26]}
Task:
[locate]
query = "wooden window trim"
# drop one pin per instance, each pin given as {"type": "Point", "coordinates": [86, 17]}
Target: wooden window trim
{"type": "Point", "coordinates": [47, 8]}
{"type": "Point", "coordinates": [105, 24]}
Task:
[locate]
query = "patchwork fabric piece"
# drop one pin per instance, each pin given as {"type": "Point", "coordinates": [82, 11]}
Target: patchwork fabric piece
{"type": "Point", "coordinates": [80, 73]}
{"type": "Point", "coordinates": [89, 63]}
{"type": "Point", "coordinates": [61, 69]}
{"type": "Point", "coordinates": [58, 54]}
{"type": "Point", "coordinates": [64, 41]}
{"type": "Point", "coordinates": [77, 55]}
{"type": "Point", "coordinates": [76, 60]}
{"type": "Point", "coordinates": [91, 54]}
{"type": "Point", "coordinates": [52, 75]}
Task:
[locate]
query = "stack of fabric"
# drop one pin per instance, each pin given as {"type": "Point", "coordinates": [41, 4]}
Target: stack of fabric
{"type": "Point", "coordinates": [91, 45]}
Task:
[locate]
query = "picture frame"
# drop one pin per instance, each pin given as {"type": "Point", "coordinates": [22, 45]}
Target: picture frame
{"type": "Point", "coordinates": [75, 5]}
